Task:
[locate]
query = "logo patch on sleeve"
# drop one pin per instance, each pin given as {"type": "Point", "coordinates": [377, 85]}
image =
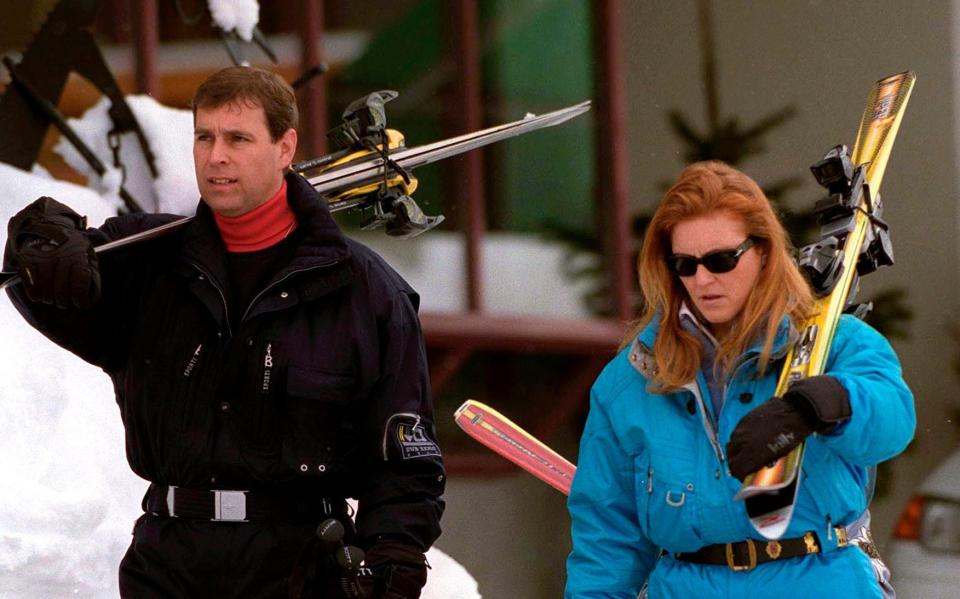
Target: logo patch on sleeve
{"type": "Point", "coordinates": [413, 442]}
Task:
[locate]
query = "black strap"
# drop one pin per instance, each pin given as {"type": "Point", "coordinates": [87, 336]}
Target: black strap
{"type": "Point", "coordinates": [746, 555]}
{"type": "Point", "coordinates": [281, 505]}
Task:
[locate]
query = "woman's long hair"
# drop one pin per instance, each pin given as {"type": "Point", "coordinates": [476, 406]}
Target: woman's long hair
{"type": "Point", "coordinates": [704, 188]}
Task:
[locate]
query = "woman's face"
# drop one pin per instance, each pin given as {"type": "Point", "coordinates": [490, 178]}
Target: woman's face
{"type": "Point", "coordinates": [717, 298]}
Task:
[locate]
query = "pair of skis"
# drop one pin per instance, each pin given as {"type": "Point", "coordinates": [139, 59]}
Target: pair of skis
{"type": "Point", "coordinates": [854, 243]}
{"type": "Point", "coordinates": [858, 240]}
{"type": "Point", "coordinates": [335, 184]}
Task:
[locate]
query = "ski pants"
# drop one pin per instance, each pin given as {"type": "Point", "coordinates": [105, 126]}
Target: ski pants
{"type": "Point", "coordinates": [174, 557]}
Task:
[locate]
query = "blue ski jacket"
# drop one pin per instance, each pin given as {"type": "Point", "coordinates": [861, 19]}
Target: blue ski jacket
{"type": "Point", "coordinates": [652, 478]}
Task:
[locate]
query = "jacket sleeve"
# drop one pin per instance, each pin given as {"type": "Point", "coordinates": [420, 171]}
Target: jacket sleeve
{"type": "Point", "coordinates": [883, 417]}
{"type": "Point", "coordinates": [403, 471]}
{"type": "Point", "coordinates": [78, 331]}
{"type": "Point", "coordinates": [611, 557]}
{"type": "Point", "coordinates": [96, 335]}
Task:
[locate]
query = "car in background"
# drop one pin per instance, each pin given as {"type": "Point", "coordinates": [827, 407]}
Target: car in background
{"type": "Point", "coordinates": [924, 553]}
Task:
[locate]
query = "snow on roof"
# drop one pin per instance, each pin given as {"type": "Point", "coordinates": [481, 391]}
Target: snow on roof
{"type": "Point", "coordinates": [242, 15]}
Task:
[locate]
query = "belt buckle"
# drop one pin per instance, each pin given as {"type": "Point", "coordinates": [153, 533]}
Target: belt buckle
{"type": "Point", "coordinates": [229, 506]}
{"type": "Point", "coordinates": [841, 533]}
{"type": "Point", "coordinates": [751, 559]}
{"type": "Point", "coordinates": [171, 503]}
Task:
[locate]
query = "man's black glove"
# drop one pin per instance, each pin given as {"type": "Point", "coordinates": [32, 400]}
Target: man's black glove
{"type": "Point", "coordinates": [396, 571]}
{"type": "Point", "coordinates": [56, 260]}
{"type": "Point", "coordinates": [812, 405]}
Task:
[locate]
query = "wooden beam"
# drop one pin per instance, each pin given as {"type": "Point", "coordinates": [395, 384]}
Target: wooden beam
{"type": "Point", "coordinates": [522, 333]}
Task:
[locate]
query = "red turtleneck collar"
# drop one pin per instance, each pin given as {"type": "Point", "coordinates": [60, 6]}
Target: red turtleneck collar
{"type": "Point", "coordinates": [260, 228]}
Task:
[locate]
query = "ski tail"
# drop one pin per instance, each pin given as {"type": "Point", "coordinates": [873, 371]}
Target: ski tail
{"type": "Point", "coordinates": [880, 124]}
{"type": "Point", "coordinates": [503, 436]}
{"type": "Point", "coordinates": [8, 278]}
{"type": "Point", "coordinates": [365, 172]}
{"type": "Point", "coordinates": [771, 493]}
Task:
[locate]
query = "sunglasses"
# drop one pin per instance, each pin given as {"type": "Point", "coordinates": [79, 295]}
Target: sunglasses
{"type": "Point", "coordinates": [717, 262]}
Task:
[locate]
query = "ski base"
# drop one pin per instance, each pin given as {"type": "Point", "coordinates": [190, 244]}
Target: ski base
{"type": "Point", "coordinates": [503, 436]}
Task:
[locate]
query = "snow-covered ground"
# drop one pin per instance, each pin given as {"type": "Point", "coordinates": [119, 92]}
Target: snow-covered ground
{"type": "Point", "coordinates": [68, 500]}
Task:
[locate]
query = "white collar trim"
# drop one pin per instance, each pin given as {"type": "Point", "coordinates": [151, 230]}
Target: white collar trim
{"type": "Point", "coordinates": [686, 311]}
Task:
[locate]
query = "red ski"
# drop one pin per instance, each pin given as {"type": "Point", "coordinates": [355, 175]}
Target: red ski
{"type": "Point", "coordinates": [500, 434]}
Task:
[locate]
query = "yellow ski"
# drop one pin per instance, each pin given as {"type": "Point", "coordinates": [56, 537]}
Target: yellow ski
{"type": "Point", "coordinates": [854, 242]}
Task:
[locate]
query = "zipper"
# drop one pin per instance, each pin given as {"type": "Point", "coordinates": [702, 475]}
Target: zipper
{"type": "Point", "coordinates": [693, 387]}
{"type": "Point", "coordinates": [192, 362]}
{"type": "Point", "coordinates": [744, 360]}
{"type": "Point", "coordinates": [267, 370]}
{"type": "Point", "coordinates": [223, 297]}
{"type": "Point", "coordinates": [281, 280]}
{"type": "Point", "coordinates": [386, 428]}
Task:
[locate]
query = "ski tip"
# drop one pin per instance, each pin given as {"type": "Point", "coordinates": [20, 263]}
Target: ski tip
{"type": "Point", "coordinates": [8, 278]}
{"type": "Point", "coordinates": [464, 407]}
{"type": "Point", "coordinates": [562, 115]}
{"type": "Point", "coordinates": [910, 76]}
{"type": "Point", "coordinates": [582, 106]}
{"type": "Point", "coordinates": [472, 411]}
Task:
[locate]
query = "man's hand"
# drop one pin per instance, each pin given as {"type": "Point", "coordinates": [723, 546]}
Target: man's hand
{"type": "Point", "coordinates": [814, 404]}
{"type": "Point", "coordinates": [56, 260]}
{"type": "Point", "coordinates": [396, 571]}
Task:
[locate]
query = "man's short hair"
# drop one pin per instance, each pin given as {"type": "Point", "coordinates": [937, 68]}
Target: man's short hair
{"type": "Point", "coordinates": [263, 88]}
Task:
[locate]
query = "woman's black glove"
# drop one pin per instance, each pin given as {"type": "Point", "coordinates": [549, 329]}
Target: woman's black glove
{"type": "Point", "coordinates": [396, 571]}
{"type": "Point", "coordinates": [56, 260]}
{"type": "Point", "coordinates": [812, 405]}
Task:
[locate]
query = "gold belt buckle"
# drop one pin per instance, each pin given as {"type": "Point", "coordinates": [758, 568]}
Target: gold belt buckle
{"type": "Point", "coordinates": [751, 553]}
{"type": "Point", "coordinates": [842, 540]}
{"type": "Point", "coordinates": [811, 543]}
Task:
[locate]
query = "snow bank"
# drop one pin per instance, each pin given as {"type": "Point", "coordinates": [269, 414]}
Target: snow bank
{"type": "Point", "coordinates": [170, 135]}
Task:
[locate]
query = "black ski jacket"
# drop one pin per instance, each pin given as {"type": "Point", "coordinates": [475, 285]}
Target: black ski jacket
{"type": "Point", "coordinates": [321, 388]}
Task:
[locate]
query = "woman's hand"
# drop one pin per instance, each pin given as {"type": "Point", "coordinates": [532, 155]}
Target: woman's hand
{"type": "Point", "coordinates": [815, 404]}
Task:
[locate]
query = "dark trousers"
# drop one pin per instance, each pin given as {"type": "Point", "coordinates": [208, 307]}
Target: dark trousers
{"type": "Point", "coordinates": [173, 558]}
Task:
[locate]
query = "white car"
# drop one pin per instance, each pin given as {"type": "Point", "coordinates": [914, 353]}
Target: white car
{"type": "Point", "coordinates": [924, 553]}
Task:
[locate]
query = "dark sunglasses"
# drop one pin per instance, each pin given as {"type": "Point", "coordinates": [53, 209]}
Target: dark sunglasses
{"type": "Point", "coordinates": [717, 262]}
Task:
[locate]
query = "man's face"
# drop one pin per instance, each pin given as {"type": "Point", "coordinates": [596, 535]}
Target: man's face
{"type": "Point", "coordinates": [238, 166]}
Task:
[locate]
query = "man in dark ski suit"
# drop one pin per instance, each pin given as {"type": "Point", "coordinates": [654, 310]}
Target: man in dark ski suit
{"type": "Point", "coordinates": [266, 367]}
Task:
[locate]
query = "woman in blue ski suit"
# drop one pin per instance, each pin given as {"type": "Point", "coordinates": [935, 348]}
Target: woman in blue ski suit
{"type": "Point", "coordinates": [684, 413]}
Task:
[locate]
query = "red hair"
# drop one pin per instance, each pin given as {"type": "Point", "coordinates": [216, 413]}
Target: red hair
{"type": "Point", "coordinates": [705, 188]}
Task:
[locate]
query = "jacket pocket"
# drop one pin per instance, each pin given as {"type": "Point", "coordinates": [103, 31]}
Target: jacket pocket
{"type": "Point", "coordinates": [668, 503]}
{"type": "Point", "coordinates": [316, 419]}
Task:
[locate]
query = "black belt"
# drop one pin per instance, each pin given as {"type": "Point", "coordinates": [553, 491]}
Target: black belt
{"type": "Point", "coordinates": [747, 555]}
{"type": "Point", "coordinates": [285, 505]}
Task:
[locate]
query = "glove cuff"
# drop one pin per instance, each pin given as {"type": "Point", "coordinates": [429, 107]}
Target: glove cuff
{"type": "Point", "coordinates": [397, 552]}
{"type": "Point", "coordinates": [45, 218]}
{"type": "Point", "coordinates": [402, 569]}
{"type": "Point", "coordinates": [822, 398]}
